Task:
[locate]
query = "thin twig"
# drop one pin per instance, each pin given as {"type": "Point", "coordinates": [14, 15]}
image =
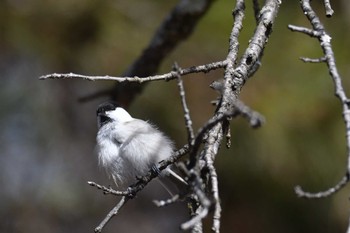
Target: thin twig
{"type": "Point", "coordinates": [135, 188]}
{"type": "Point", "coordinates": [209, 156]}
{"type": "Point", "coordinates": [144, 180]}
{"type": "Point", "coordinates": [188, 121]}
{"type": "Point", "coordinates": [162, 203]}
{"type": "Point", "coordinates": [255, 119]}
{"type": "Point", "coordinates": [301, 193]}
{"type": "Point", "coordinates": [313, 60]}
{"type": "Point", "coordinates": [111, 214]}
{"type": "Point", "coordinates": [194, 211]}
{"type": "Point", "coordinates": [203, 202]}
{"type": "Point", "coordinates": [228, 137]}
{"type": "Point", "coordinates": [167, 76]}
{"type": "Point", "coordinates": [328, 7]}
{"type": "Point", "coordinates": [108, 190]}
{"type": "Point", "coordinates": [202, 213]}
{"type": "Point", "coordinates": [304, 30]}
{"type": "Point", "coordinates": [196, 185]}
{"type": "Point", "coordinates": [325, 43]}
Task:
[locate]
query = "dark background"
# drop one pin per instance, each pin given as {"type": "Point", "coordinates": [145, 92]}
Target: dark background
{"type": "Point", "coordinates": [47, 137]}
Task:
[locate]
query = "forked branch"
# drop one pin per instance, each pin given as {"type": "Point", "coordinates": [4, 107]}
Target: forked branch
{"type": "Point", "coordinates": [318, 31]}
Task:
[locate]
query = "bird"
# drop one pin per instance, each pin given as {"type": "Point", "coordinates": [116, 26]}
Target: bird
{"type": "Point", "coordinates": [128, 147]}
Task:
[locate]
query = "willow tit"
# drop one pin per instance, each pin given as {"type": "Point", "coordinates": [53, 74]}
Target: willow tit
{"type": "Point", "coordinates": [128, 147]}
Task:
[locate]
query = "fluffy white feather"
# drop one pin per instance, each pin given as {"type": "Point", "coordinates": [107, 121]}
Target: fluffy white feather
{"type": "Point", "coordinates": [129, 147]}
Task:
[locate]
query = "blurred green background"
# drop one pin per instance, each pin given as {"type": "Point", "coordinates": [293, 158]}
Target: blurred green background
{"type": "Point", "coordinates": [47, 138]}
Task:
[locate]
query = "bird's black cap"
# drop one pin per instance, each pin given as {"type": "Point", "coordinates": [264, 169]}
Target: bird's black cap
{"type": "Point", "coordinates": [106, 106]}
{"type": "Point", "coordinates": [102, 118]}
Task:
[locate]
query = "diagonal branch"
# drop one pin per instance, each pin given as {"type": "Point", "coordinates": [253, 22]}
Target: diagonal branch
{"type": "Point", "coordinates": [177, 27]}
{"type": "Point", "coordinates": [188, 121]}
{"type": "Point", "coordinates": [111, 214]}
{"type": "Point", "coordinates": [135, 188]}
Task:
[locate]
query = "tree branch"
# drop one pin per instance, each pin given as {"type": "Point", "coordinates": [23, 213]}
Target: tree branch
{"type": "Point", "coordinates": [313, 60]}
{"type": "Point", "coordinates": [200, 171]}
{"type": "Point", "coordinates": [234, 79]}
{"type": "Point", "coordinates": [135, 188]}
{"type": "Point", "coordinates": [188, 121]}
{"type": "Point", "coordinates": [320, 33]}
{"type": "Point", "coordinates": [328, 7]}
{"type": "Point", "coordinates": [176, 27]}
{"type": "Point", "coordinates": [111, 214]}
{"type": "Point", "coordinates": [165, 77]}
{"type": "Point", "coordinates": [299, 191]}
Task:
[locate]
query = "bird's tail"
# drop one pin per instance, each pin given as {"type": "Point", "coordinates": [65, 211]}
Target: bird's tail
{"type": "Point", "coordinates": [172, 182]}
